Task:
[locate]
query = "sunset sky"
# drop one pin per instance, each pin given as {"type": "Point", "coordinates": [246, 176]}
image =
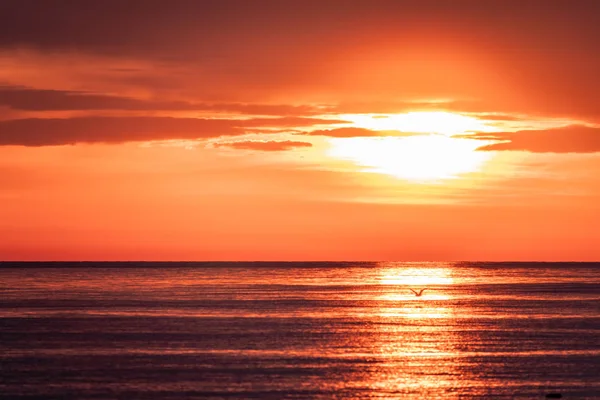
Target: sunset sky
{"type": "Point", "coordinates": [300, 130]}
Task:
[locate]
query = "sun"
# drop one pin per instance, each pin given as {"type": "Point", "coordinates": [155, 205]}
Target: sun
{"type": "Point", "coordinates": [416, 158]}
{"type": "Point", "coordinates": [429, 153]}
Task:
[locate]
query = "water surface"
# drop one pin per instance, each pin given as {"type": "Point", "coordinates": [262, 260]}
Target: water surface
{"type": "Point", "coordinates": [299, 330]}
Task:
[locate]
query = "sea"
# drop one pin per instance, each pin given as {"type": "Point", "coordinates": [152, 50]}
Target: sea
{"type": "Point", "coordinates": [285, 330]}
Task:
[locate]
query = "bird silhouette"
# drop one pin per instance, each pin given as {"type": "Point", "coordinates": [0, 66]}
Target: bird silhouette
{"type": "Point", "coordinates": [419, 293]}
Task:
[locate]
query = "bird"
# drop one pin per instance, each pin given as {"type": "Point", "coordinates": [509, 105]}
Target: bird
{"type": "Point", "coordinates": [419, 293]}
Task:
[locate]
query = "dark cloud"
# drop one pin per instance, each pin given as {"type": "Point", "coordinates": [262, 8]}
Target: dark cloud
{"type": "Point", "coordinates": [570, 139]}
{"type": "Point", "coordinates": [500, 117]}
{"type": "Point", "coordinates": [266, 145]}
{"type": "Point", "coordinates": [53, 100]}
{"type": "Point", "coordinates": [43, 132]}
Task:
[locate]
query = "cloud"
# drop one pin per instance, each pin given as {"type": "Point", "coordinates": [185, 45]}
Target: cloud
{"type": "Point", "coordinates": [343, 132]}
{"type": "Point", "coordinates": [52, 100]}
{"type": "Point", "coordinates": [570, 139]}
{"type": "Point", "coordinates": [46, 131]}
{"type": "Point", "coordinates": [27, 99]}
{"type": "Point", "coordinates": [265, 145]}
{"type": "Point", "coordinates": [357, 132]}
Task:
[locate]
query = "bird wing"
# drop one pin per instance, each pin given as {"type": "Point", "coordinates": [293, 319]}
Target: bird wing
{"type": "Point", "coordinates": [412, 290]}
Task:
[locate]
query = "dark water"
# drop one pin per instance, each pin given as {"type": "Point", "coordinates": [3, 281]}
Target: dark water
{"type": "Point", "coordinates": [296, 330]}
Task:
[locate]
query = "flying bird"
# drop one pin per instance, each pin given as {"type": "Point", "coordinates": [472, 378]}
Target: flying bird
{"type": "Point", "coordinates": [419, 293]}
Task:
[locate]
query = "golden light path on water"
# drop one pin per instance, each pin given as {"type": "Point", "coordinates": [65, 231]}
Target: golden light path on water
{"type": "Point", "coordinates": [413, 333]}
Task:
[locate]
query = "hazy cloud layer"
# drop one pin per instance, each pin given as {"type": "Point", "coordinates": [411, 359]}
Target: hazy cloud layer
{"type": "Point", "coordinates": [266, 145]}
{"type": "Point", "coordinates": [488, 56]}
{"type": "Point", "coordinates": [571, 139]}
{"type": "Point", "coordinates": [344, 132]}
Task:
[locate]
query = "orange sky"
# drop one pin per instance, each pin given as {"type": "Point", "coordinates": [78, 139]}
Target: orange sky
{"type": "Point", "coordinates": [269, 130]}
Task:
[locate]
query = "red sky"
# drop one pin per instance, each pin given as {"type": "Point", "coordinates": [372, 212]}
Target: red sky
{"type": "Point", "coordinates": [299, 130]}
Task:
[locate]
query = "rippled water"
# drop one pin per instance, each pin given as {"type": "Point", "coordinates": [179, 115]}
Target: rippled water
{"type": "Point", "coordinates": [298, 330]}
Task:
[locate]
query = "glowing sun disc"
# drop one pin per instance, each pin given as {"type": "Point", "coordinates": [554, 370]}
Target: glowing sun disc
{"type": "Point", "coordinates": [415, 158]}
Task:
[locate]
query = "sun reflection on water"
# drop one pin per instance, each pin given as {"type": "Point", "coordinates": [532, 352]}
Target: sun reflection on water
{"type": "Point", "coordinates": [415, 333]}
{"type": "Point", "coordinates": [397, 300]}
{"type": "Point", "coordinates": [415, 276]}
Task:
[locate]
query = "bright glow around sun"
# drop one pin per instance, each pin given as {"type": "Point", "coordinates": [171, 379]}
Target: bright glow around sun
{"type": "Point", "coordinates": [418, 158]}
{"type": "Point", "coordinates": [440, 122]}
